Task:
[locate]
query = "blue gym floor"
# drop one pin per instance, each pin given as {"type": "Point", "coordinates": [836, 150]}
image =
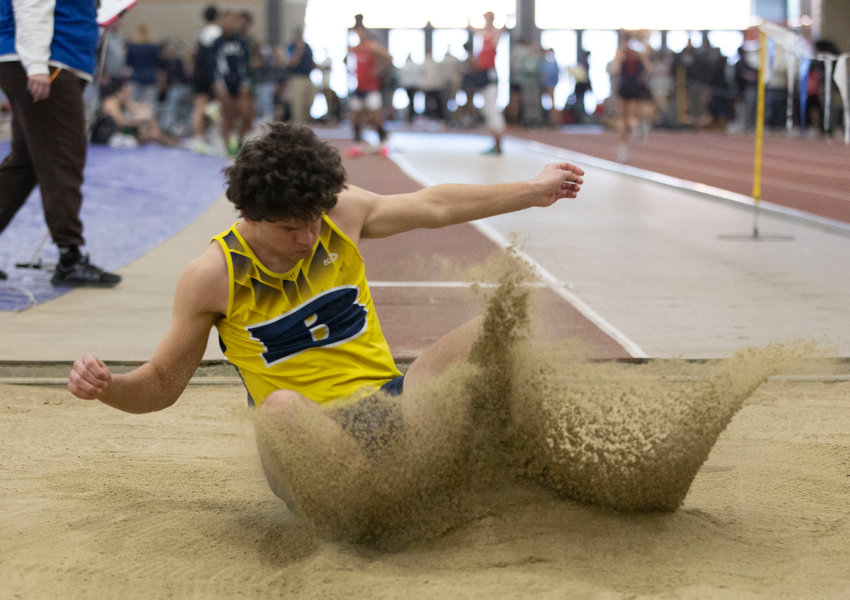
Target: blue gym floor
{"type": "Point", "coordinates": [133, 200]}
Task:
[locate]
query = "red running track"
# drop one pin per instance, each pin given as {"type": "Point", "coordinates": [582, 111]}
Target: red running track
{"type": "Point", "coordinates": [811, 175]}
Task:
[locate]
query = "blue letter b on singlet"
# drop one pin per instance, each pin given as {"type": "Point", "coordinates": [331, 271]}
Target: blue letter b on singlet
{"type": "Point", "coordinates": [329, 319]}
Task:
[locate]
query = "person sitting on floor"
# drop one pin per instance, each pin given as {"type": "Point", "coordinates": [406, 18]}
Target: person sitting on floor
{"type": "Point", "coordinates": [134, 122]}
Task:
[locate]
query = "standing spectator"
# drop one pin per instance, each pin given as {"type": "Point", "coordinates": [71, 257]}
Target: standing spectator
{"type": "Point", "coordinates": [113, 67]}
{"type": "Point", "coordinates": [720, 103]}
{"type": "Point", "coordinates": [408, 80]}
{"type": "Point", "coordinates": [550, 73]}
{"type": "Point", "coordinates": [115, 53]}
{"type": "Point", "coordinates": [776, 89]}
{"type": "Point", "coordinates": [245, 22]}
{"type": "Point", "coordinates": [661, 86]}
{"type": "Point", "coordinates": [299, 86]}
{"type": "Point", "coordinates": [365, 101]}
{"type": "Point", "coordinates": [431, 84]}
{"type": "Point", "coordinates": [526, 71]}
{"type": "Point", "coordinates": [811, 114]}
{"type": "Point", "coordinates": [452, 68]}
{"type": "Point", "coordinates": [691, 68]}
{"type": "Point", "coordinates": [233, 83]}
{"type": "Point", "coordinates": [467, 114]}
{"type": "Point", "coordinates": [826, 46]}
{"type": "Point", "coordinates": [143, 60]}
{"type": "Point", "coordinates": [269, 74]}
{"type": "Point", "coordinates": [631, 68]}
{"type": "Point", "coordinates": [812, 117]}
{"type": "Point", "coordinates": [487, 81]}
{"type": "Point", "coordinates": [746, 84]}
{"type": "Point", "coordinates": [331, 98]}
{"type": "Point", "coordinates": [203, 75]}
{"type": "Point", "coordinates": [581, 78]}
{"type": "Point", "coordinates": [174, 81]}
{"type": "Point", "coordinates": [47, 55]}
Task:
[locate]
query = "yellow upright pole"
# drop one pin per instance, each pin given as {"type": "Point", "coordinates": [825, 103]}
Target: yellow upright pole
{"type": "Point", "coordinates": [759, 129]}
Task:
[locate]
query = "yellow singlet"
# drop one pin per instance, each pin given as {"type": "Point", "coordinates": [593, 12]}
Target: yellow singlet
{"type": "Point", "coordinates": [313, 329]}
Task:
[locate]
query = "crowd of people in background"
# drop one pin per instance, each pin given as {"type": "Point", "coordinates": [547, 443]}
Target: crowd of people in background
{"type": "Point", "coordinates": [699, 87]}
{"type": "Point", "coordinates": [225, 80]}
{"type": "Point", "coordinates": [213, 92]}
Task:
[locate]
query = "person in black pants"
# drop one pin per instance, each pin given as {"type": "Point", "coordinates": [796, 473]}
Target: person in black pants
{"type": "Point", "coordinates": [43, 75]}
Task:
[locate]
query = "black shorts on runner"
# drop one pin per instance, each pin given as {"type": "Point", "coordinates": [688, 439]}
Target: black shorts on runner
{"type": "Point", "coordinates": [202, 83]}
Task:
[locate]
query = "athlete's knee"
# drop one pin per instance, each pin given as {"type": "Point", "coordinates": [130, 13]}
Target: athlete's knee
{"type": "Point", "coordinates": [283, 402]}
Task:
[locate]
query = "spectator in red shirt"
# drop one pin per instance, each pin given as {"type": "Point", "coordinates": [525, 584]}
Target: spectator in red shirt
{"type": "Point", "coordinates": [365, 103]}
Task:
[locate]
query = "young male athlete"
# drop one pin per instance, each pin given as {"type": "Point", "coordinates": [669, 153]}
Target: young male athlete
{"type": "Point", "coordinates": [286, 285]}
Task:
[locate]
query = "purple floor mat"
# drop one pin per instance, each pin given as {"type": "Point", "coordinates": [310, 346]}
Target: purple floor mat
{"type": "Point", "coordinates": [133, 200]}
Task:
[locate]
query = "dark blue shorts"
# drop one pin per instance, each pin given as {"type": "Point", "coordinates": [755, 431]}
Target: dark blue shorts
{"type": "Point", "coordinates": [374, 421]}
{"type": "Point", "coordinates": [394, 387]}
{"type": "Point", "coordinates": [235, 85]}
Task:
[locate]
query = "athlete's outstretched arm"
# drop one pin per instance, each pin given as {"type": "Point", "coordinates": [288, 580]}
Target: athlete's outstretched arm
{"type": "Point", "coordinates": [448, 204]}
{"type": "Point", "coordinates": [158, 383]}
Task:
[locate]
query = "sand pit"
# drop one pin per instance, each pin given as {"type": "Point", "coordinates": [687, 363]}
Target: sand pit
{"type": "Point", "coordinates": [720, 492]}
{"type": "Point", "coordinates": [98, 504]}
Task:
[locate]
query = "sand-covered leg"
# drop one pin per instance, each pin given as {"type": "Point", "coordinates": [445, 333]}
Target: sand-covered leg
{"type": "Point", "coordinates": [299, 442]}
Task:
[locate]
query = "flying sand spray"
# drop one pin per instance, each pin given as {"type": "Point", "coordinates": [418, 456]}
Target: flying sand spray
{"type": "Point", "coordinates": [630, 437]}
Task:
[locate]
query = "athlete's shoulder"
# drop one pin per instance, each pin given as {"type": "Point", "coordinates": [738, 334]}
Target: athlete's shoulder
{"type": "Point", "coordinates": [205, 282]}
{"type": "Point", "coordinates": [352, 207]}
{"type": "Point", "coordinates": [353, 195]}
{"type": "Point", "coordinates": [210, 260]}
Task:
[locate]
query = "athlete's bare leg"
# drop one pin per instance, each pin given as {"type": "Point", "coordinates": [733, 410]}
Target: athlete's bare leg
{"type": "Point", "coordinates": [302, 417]}
{"type": "Point", "coordinates": [451, 349]}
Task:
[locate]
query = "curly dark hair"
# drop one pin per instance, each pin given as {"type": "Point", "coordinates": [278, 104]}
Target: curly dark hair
{"type": "Point", "coordinates": [288, 173]}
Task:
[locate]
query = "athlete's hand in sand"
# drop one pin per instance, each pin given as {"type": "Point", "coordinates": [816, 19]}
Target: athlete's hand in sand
{"type": "Point", "coordinates": [89, 378]}
{"type": "Point", "coordinates": [559, 180]}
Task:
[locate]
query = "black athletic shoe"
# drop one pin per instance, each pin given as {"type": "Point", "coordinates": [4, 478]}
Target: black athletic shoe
{"type": "Point", "coordinates": [81, 273]}
{"type": "Point", "coordinates": [3, 275]}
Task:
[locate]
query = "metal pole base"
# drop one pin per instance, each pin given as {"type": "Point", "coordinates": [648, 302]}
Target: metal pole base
{"type": "Point", "coordinates": [755, 236]}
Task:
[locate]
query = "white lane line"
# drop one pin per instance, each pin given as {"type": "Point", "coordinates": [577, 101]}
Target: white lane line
{"type": "Point", "coordinates": [411, 171]}
{"type": "Point", "coordinates": [556, 286]}
{"type": "Point", "coordinates": [550, 280]}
